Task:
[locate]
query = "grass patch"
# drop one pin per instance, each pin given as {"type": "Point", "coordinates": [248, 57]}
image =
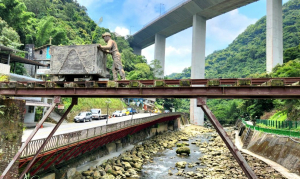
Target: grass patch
{"type": "Point", "coordinates": [86, 104]}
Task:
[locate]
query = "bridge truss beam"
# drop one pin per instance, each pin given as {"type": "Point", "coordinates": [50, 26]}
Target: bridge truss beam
{"type": "Point", "coordinates": [74, 102]}
{"type": "Point", "coordinates": [201, 102]}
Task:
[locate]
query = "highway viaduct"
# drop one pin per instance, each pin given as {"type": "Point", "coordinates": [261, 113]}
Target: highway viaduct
{"type": "Point", "coordinates": [195, 13]}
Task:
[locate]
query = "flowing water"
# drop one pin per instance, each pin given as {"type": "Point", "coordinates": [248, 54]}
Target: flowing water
{"type": "Point", "coordinates": [165, 160]}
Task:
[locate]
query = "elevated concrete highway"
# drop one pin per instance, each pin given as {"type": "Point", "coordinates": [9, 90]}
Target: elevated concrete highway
{"type": "Point", "coordinates": [181, 18]}
{"type": "Point", "coordinates": [195, 13]}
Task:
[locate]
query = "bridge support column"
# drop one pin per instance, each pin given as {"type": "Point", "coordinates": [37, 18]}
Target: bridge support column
{"type": "Point", "coordinates": [137, 50]}
{"type": "Point", "coordinates": [198, 64]}
{"type": "Point", "coordinates": [274, 34]}
{"type": "Point", "coordinates": [159, 52]}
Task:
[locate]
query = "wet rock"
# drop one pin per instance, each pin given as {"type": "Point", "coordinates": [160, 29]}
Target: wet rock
{"type": "Point", "coordinates": [179, 145]}
{"type": "Point", "coordinates": [185, 144]}
{"type": "Point", "coordinates": [117, 168]}
{"type": "Point", "coordinates": [170, 172]}
{"type": "Point", "coordinates": [126, 159]}
{"type": "Point", "coordinates": [191, 165]}
{"type": "Point", "coordinates": [102, 172]}
{"type": "Point", "coordinates": [127, 174]}
{"type": "Point", "coordinates": [184, 139]}
{"type": "Point", "coordinates": [190, 174]}
{"type": "Point", "coordinates": [113, 172]}
{"type": "Point", "coordinates": [87, 173]}
{"type": "Point", "coordinates": [182, 150]}
{"type": "Point", "coordinates": [126, 165]}
{"type": "Point", "coordinates": [134, 176]}
{"type": "Point", "coordinates": [108, 176]}
{"type": "Point", "coordinates": [138, 165]}
{"type": "Point", "coordinates": [97, 175]}
{"type": "Point", "coordinates": [181, 164]}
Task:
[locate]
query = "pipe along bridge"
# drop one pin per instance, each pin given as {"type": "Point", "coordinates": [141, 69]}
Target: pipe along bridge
{"type": "Point", "coordinates": [41, 154]}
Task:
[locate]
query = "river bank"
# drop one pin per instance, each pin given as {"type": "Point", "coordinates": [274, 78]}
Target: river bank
{"type": "Point", "coordinates": [203, 155]}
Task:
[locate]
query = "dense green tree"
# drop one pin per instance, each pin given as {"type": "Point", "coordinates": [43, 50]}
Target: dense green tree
{"type": "Point", "coordinates": [8, 36]}
{"type": "Point", "coordinates": [15, 14]}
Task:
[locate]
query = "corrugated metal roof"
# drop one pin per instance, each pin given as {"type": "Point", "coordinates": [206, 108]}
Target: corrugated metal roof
{"type": "Point", "coordinates": [15, 58]}
{"type": "Point", "coordinates": [41, 47]}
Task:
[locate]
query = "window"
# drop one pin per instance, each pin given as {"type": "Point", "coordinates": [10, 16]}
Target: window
{"type": "Point", "coordinates": [41, 52]}
{"type": "Point", "coordinates": [30, 109]}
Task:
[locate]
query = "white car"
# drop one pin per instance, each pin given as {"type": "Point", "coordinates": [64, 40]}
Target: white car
{"type": "Point", "coordinates": [117, 114]}
{"type": "Point", "coordinates": [83, 116]}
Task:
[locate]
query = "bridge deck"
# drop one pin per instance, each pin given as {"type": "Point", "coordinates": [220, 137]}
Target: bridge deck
{"type": "Point", "coordinates": [210, 88]}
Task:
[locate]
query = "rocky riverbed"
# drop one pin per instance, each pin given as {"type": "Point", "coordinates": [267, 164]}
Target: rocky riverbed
{"type": "Point", "coordinates": [194, 152]}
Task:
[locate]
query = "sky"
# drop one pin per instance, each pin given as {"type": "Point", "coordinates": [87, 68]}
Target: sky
{"type": "Point", "coordinates": [126, 17]}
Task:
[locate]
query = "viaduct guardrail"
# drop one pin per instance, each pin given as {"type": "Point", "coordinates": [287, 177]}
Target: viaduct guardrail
{"type": "Point", "coordinates": [62, 140]}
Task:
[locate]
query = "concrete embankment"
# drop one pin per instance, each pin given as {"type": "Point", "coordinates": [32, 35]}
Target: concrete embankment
{"type": "Point", "coordinates": [280, 149]}
{"type": "Point", "coordinates": [194, 152]}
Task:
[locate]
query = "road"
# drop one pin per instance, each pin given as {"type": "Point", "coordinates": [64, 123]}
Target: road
{"type": "Point", "coordinates": [72, 127]}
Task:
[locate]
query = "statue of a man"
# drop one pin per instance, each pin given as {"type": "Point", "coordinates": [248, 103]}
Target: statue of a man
{"type": "Point", "coordinates": [112, 49]}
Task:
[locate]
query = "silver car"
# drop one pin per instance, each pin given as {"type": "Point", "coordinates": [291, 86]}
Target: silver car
{"type": "Point", "coordinates": [83, 117]}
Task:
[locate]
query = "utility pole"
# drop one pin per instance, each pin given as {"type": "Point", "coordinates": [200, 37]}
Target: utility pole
{"type": "Point", "coordinates": [130, 30]}
{"type": "Point", "coordinates": [160, 4]}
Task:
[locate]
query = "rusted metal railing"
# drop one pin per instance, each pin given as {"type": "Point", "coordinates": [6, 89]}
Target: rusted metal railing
{"type": "Point", "coordinates": [74, 137]}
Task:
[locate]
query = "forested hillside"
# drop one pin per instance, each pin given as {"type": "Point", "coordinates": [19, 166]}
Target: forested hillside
{"type": "Point", "coordinates": [67, 22]}
{"type": "Point", "coordinates": [246, 57]}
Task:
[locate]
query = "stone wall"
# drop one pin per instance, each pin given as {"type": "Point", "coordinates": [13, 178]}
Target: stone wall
{"type": "Point", "coordinates": [280, 149]}
{"type": "Point", "coordinates": [11, 125]}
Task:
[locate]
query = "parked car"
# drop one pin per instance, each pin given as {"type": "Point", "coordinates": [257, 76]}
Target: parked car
{"type": "Point", "coordinates": [167, 111]}
{"type": "Point", "coordinates": [117, 114]}
{"type": "Point", "coordinates": [83, 117]}
{"type": "Point", "coordinates": [125, 112]}
{"type": "Point", "coordinates": [131, 111]}
{"type": "Point", "coordinates": [96, 114]}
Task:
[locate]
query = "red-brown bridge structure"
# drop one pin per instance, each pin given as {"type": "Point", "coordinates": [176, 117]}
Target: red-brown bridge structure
{"type": "Point", "coordinates": [192, 88]}
{"type": "Point", "coordinates": [50, 153]}
{"type": "Point", "coordinates": [65, 147]}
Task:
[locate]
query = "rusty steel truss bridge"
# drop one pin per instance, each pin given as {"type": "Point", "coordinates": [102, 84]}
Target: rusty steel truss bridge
{"type": "Point", "coordinates": [192, 88]}
{"type": "Point", "coordinates": [53, 150]}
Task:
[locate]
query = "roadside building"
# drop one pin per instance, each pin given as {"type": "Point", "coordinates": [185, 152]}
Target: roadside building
{"type": "Point", "coordinates": [8, 58]}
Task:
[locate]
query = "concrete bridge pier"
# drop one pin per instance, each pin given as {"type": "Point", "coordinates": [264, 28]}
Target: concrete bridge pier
{"type": "Point", "coordinates": [274, 34]}
{"type": "Point", "coordinates": [159, 52]}
{"type": "Point", "coordinates": [198, 64]}
{"type": "Point", "coordinates": [137, 50]}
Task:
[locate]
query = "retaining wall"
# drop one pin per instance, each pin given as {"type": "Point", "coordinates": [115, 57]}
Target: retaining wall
{"type": "Point", "coordinates": [280, 149]}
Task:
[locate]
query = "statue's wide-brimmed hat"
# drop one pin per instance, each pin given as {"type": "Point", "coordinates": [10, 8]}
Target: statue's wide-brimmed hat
{"type": "Point", "coordinates": [106, 34]}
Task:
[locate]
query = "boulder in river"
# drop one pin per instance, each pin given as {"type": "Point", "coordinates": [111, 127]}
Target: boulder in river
{"type": "Point", "coordinates": [184, 139]}
{"type": "Point", "coordinates": [185, 150]}
{"type": "Point", "coordinates": [179, 145]}
{"type": "Point", "coordinates": [181, 164]}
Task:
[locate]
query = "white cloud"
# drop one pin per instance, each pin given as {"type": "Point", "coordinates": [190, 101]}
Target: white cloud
{"type": "Point", "coordinates": [122, 31]}
{"type": "Point", "coordinates": [88, 3]}
{"type": "Point", "coordinates": [225, 28]}
{"type": "Point", "coordinates": [170, 51]}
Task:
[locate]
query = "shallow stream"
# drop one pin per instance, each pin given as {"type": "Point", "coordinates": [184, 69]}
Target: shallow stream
{"type": "Point", "coordinates": [165, 160]}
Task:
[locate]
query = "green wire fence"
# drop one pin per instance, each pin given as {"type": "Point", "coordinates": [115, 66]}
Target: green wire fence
{"type": "Point", "coordinates": [286, 128]}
